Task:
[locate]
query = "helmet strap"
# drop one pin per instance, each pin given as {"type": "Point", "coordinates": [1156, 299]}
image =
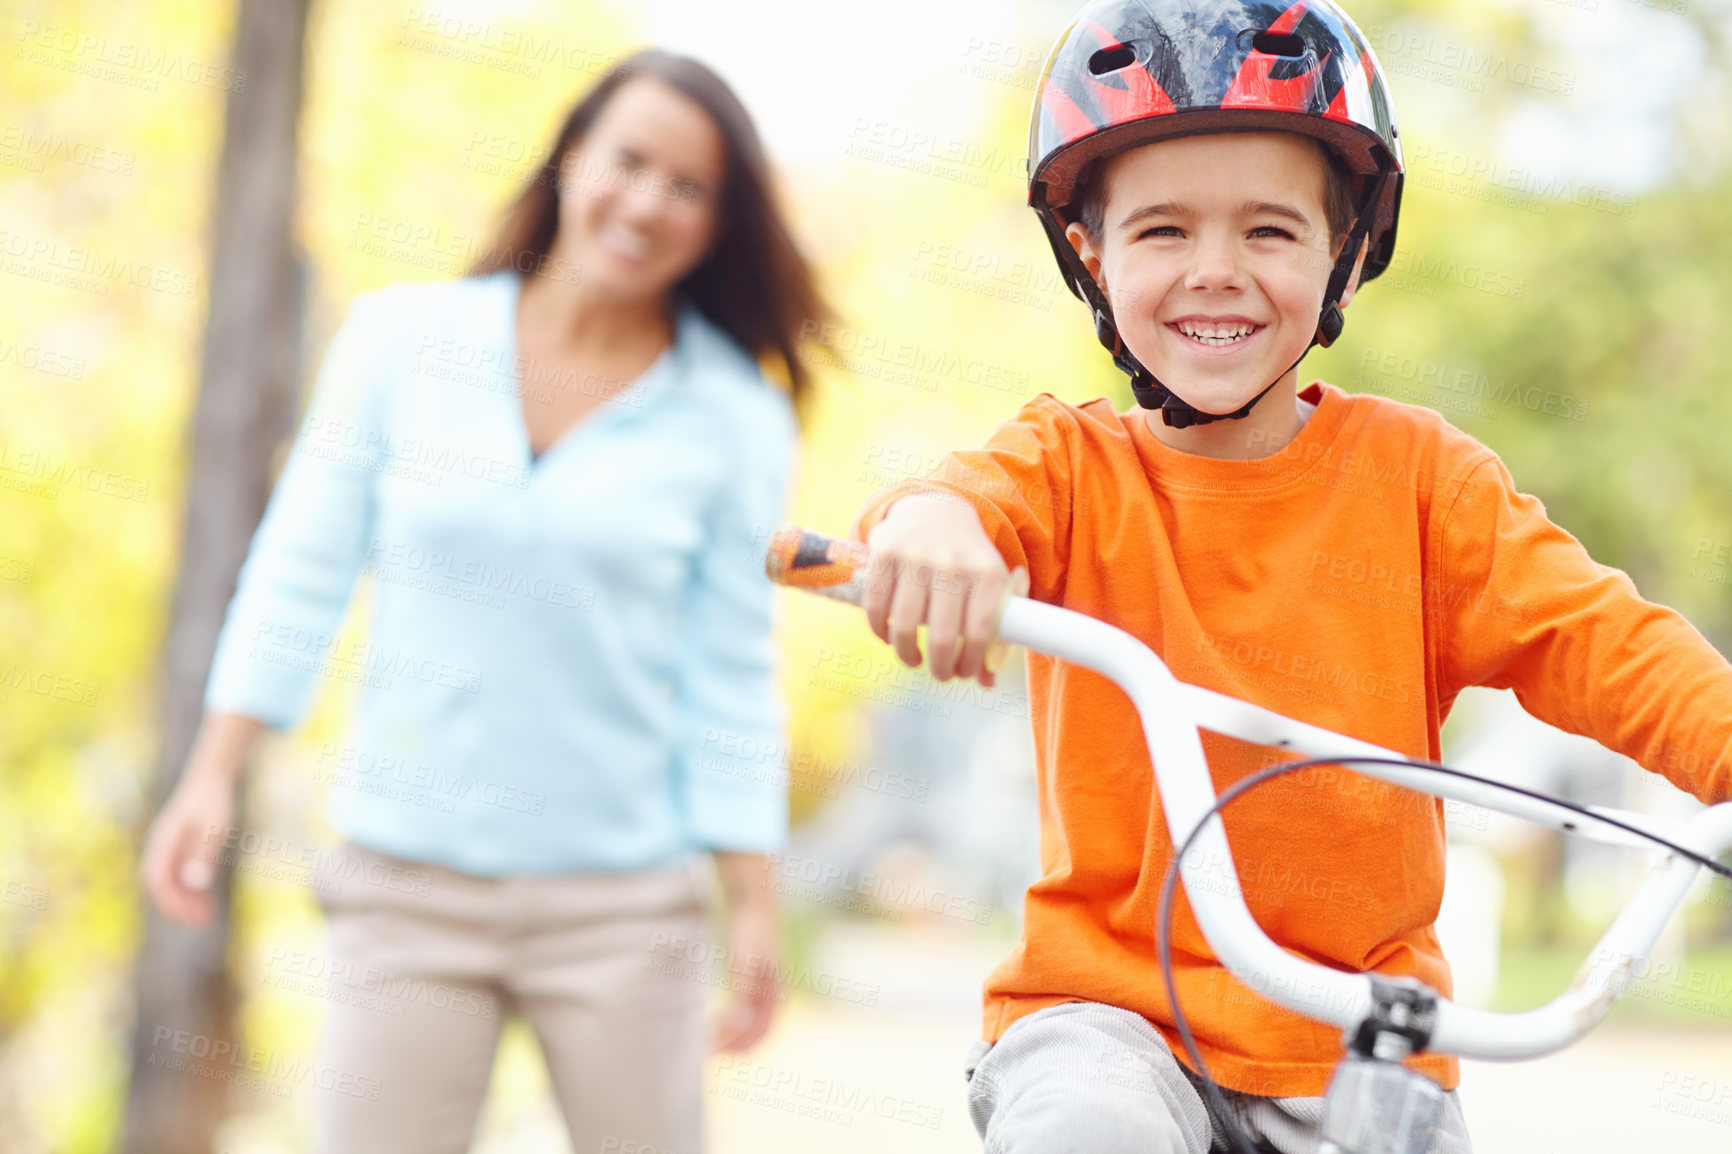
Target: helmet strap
{"type": "Point", "coordinates": [1150, 393]}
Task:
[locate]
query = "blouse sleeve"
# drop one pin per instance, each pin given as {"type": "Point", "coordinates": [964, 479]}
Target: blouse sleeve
{"type": "Point", "coordinates": [294, 587]}
{"type": "Point", "coordinates": [731, 768]}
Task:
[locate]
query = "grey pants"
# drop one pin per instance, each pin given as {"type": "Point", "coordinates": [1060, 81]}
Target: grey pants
{"type": "Point", "coordinates": [1083, 1076]}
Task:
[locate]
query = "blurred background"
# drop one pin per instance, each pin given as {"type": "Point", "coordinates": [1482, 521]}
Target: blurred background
{"type": "Point", "coordinates": [1561, 292]}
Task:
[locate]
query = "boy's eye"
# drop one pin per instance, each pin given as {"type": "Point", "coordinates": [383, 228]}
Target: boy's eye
{"type": "Point", "coordinates": [1271, 230]}
{"type": "Point", "coordinates": [1161, 230]}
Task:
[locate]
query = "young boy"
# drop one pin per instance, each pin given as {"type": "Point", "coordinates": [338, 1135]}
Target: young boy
{"type": "Point", "coordinates": [1215, 180]}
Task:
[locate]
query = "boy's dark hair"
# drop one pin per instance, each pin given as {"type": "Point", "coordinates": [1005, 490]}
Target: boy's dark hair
{"type": "Point", "coordinates": [1091, 195]}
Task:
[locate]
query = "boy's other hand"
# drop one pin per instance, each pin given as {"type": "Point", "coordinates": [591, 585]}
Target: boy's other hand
{"type": "Point", "coordinates": [934, 565]}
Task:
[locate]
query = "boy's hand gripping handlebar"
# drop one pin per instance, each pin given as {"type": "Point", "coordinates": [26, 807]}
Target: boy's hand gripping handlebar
{"type": "Point", "coordinates": [1171, 712]}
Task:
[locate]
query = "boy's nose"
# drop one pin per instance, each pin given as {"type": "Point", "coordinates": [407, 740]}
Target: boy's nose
{"type": "Point", "coordinates": [1214, 267]}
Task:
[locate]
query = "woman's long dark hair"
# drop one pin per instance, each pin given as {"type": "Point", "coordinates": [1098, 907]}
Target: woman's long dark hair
{"type": "Point", "coordinates": [754, 284]}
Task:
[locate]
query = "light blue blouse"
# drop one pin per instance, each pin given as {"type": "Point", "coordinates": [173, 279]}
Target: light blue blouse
{"type": "Point", "coordinates": [568, 665]}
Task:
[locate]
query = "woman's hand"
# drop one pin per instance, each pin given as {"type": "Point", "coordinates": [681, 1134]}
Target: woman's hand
{"type": "Point", "coordinates": [934, 565]}
{"type": "Point", "coordinates": [754, 952]}
{"type": "Point", "coordinates": [186, 839]}
{"type": "Point", "coordinates": [181, 851]}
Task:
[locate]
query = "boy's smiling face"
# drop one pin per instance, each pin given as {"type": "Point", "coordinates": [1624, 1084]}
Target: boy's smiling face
{"type": "Point", "coordinates": [1215, 252]}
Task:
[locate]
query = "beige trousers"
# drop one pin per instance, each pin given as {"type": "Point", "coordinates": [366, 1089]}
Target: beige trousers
{"type": "Point", "coordinates": [426, 962]}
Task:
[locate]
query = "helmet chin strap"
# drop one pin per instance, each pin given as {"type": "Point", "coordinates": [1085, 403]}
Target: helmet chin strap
{"type": "Point", "coordinates": [1152, 394]}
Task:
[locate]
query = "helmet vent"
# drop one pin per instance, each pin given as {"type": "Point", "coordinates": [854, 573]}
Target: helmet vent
{"type": "Point", "coordinates": [1279, 44]}
{"type": "Point", "coordinates": [1112, 59]}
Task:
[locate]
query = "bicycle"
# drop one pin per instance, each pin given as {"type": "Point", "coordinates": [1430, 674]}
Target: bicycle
{"type": "Point", "coordinates": [1373, 1104]}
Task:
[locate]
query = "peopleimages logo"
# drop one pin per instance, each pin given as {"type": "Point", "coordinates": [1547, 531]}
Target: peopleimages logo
{"type": "Point", "coordinates": [1693, 988]}
{"type": "Point", "coordinates": [372, 773]}
{"type": "Point", "coordinates": [697, 959]}
{"type": "Point", "coordinates": [401, 563]}
{"type": "Point", "coordinates": [87, 269]}
{"type": "Point", "coordinates": [50, 472]}
{"type": "Point", "coordinates": [774, 760]}
{"type": "Point", "coordinates": [330, 867]}
{"type": "Point", "coordinates": [832, 884]}
{"type": "Point", "coordinates": [225, 1061]}
{"type": "Point", "coordinates": [343, 442]}
{"type": "Point", "coordinates": [823, 1099]}
{"type": "Point", "coordinates": [285, 643]}
{"type": "Point", "coordinates": [333, 979]}
{"type": "Point", "coordinates": [141, 65]}
{"type": "Point", "coordinates": [1472, 383]}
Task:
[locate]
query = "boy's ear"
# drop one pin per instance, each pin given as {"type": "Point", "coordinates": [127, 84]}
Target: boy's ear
{"type": "Point", "coordinates": [1085, 250]}
{"type": "Point", "coordinates": [1358, 267]}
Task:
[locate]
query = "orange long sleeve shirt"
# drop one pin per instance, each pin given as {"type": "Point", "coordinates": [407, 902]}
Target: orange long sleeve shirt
{"type": "Point", "coordinates": [1358, 579]}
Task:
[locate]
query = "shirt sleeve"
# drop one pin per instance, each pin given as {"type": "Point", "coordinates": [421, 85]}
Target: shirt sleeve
{"type": "Point", "coordinates": [1524, 607]}
{"type": "Point", "coordinates": [294, 586]}
{"type": "Point", "coordinates": [731, 769]}
{"type": "Point", "coordinates": [1019, 484]}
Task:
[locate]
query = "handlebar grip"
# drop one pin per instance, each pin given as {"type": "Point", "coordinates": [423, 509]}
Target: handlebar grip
{"type": "Point", "coordinates": [834, 568]}
{"type": "Point", "coordinates": [828, 566]}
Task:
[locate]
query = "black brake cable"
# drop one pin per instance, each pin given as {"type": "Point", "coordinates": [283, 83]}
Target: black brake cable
{"type": "Point", "coordinates": [1163, 923]}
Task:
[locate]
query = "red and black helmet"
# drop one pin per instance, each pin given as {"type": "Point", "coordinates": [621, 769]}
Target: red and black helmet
{"type": "Point", "coordinates": [1129, 72]}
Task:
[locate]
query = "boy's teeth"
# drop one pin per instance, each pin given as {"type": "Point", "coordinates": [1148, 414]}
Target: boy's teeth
{"type": "Point", "coordinates": [1216, 335]}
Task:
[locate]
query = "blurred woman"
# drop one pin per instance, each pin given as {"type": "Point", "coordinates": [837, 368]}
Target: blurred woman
{"type": "Point", "coordinates": [560, 471]}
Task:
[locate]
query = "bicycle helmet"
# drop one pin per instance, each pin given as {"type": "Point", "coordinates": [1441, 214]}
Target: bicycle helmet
{"type": "Point", "coordinates": [1129, 72]}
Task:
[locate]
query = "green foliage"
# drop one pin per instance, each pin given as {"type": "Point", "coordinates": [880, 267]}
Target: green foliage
{"type": "Point", "coordinates": [103, 202]}
{"type": "Point", "coordinates": [1583, 346]}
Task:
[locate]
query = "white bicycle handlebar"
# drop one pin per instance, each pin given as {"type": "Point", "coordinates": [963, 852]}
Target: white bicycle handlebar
{"type": "Point", "coordinates": [1171, 712]}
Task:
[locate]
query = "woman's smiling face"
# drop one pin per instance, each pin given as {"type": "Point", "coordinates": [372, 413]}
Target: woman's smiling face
{"type": "Point", "coordinates": [1214, 252]}
{"type": "Point", "coordinates": [640, 193]}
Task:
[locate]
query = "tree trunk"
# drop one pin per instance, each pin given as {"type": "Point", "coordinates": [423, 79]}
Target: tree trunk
{"type": "Point", "coordinates": [247, 391]}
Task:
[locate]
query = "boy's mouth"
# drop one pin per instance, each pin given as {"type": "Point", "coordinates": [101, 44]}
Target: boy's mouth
{"type": "Point", "coordinates": [1215, 334]}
